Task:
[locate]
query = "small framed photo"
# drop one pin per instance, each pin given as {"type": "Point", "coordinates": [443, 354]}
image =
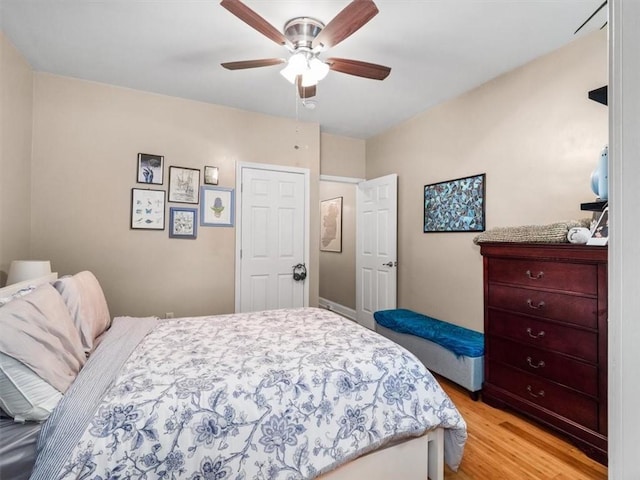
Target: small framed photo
{"type": "Point", "coordinates": [150, 168]}
{"type": "Point", "coordinates": [147, 209]}
{"type": "Point", "coordinates": [217, 207]}
{"type": "Point", "coordinates": [184, 185]}
{"type": "Point", "coordinates": [600, 233]}
{"type": "Point", "coordinates": [183, 222]}
{"type": "Point", "coordinates": [210, 175]}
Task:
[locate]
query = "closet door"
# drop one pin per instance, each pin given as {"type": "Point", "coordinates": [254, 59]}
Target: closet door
{"type": "Point", "coordinates": [273, 239]}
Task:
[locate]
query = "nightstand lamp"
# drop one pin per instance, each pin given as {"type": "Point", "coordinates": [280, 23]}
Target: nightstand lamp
{"type": "Point", "coordinates": [23, 270]}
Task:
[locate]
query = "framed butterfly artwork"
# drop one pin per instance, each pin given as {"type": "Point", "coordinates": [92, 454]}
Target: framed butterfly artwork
{"type": "Point", "coordinates": [147, 209]}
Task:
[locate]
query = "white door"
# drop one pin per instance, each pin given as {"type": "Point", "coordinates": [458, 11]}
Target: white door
{"type": "Point", "coordinates": [272, 238]}
{"type": "Point", "coordinates": [376, 247]}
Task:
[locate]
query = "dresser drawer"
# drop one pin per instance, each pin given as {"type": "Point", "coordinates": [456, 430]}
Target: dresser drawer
{"type": "Point", "coordinates": [550, 336]}
{"type": "Point", "coordinates": [549, 365]}
{"type": "Point", "coordinates": [556, 306]}
{"type": "Point", "coordinates": [569, 404]}
{"type": "Point", "coordinates": [570, 277]}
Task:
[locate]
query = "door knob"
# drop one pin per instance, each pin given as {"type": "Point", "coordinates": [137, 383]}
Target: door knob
{"type": "Point", "coordinates": [390, 264]}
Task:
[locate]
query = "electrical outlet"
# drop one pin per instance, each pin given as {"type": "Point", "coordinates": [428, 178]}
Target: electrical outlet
{"type": "Point", "coordinates": [168, 315]}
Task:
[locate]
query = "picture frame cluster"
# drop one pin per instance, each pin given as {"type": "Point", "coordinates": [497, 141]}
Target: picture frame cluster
{"type": "Point", "coordinates": [148, 205]}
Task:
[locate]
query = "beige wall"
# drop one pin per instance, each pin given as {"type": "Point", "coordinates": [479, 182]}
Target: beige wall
{"type": "Point", "coordinates": [342, 156]}
{"type": "Point", "coordinates": [85, 144]}
{"type": "Point", "coordinates": [16, 104]}
{"type": "Point", "coordinates": [537, 137]}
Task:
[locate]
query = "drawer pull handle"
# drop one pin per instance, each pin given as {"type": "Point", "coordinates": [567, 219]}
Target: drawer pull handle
{"type": "Point", "coordinates": [539, 365]}
{"type": "Point", "coordinates": [532, 305]}
{"type": "Point", "coordinates": [534, 277]}
{"type": "Point", "coordinates": [537, 335]}
{"type": "Point", "coordinates": [535, 395]}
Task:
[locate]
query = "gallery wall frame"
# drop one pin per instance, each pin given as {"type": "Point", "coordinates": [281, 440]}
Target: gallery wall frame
{"type": "Point", "coordinates": [211, 175]}
{"type": "Point", "coordinates": [217, 206]}
{"type": "Point", "coordinates": [150, 169]}
{"type": "Point", "coordinates": [331, 225]}
{"type": "Point", "coordinates": [455, 205]}
{"type": "Point", "coordinates": [184, 185]}
{"type": "Point", "coordinates": [147, 209]}
{"type": "Point", "coordinates": [183, 222]}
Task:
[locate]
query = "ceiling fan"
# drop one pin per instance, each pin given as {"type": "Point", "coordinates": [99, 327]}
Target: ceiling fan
{"type": "Point", "coordinates": [306, 38]}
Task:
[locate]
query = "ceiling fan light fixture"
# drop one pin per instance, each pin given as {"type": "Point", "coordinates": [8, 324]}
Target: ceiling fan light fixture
{"type": "Point", "coordinates": [318, 68]}
{"type": "Point", "coordinates": [289, 73]}
{"type": "Point", "coordinates": [299, 62]}
{"type": "Point", "coordinates": [297, 65]}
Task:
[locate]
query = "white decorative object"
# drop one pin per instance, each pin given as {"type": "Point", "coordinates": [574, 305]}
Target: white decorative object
{"type": "Point", "coordinates": [579, 235]}
{"type": "Point", "coordinates": [21, 270]}
{"type": "Point", "coordinates": [600, 176]}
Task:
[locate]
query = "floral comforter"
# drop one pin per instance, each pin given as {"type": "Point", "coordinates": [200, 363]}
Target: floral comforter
{"type": "Point", "coordinates": [283, 394]}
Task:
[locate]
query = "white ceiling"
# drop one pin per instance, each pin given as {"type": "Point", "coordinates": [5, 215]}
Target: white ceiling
{"type": "Point", "coordinates": [437, 49]}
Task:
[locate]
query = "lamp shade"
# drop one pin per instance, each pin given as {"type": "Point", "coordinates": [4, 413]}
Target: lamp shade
{"type": "Point", "coordinates": [21, 270]}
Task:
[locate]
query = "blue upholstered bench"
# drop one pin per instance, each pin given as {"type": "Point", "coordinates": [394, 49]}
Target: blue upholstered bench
{"type": "Point", "coordinates": [454, 352]}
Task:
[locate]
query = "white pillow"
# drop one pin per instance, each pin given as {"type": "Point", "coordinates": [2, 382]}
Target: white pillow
{"type": "Point", "coordinates": [87, 305]}
{"type": "Point", "coordinates": [40, 353]}
{"type": "Point", "coordinates": [20, 293]}
{"type": "Point", "coordinates": [25, 396]}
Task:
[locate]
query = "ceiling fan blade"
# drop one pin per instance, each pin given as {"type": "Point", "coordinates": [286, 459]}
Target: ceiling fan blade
{"type": "Point", "coordinates": [254, 20]}
{"type": "Point", "coordinates": [305, 92]}
{"type": "Point", "coordinates": [358, 68]}
{"type": "Point", "coordinates": [592, 15]}
{"type": "Point", "coordinates": [265, 62]}
{"type": "Point", "coordinates": [350, 19]}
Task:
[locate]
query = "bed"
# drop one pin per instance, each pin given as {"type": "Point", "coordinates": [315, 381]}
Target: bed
{"type": "Point", "coordinates": [281, 394]}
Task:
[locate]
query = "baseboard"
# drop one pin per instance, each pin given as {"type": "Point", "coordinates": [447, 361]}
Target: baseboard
{"type": "Point", "coordinates": [336, 307]}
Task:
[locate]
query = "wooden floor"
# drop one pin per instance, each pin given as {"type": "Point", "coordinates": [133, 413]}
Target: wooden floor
{"type": "Point", "coordinates": [502, 445]}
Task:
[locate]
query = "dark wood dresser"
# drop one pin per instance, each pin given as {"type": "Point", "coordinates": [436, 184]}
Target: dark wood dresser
{"type": "Point", "coordinates": [545, 323]}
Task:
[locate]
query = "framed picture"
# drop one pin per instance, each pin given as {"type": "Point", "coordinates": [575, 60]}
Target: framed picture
{"type": "Point", "coordinates": [600, 234]}
{"type": "Point", "coordinates": [455, 205]}
{"type": "Point", "coordinates": [150, 168]}
{"type": "Point", "coordinates": [184, 185]}
{"type": "Point", "coordinates": [217, 207]}
{"type": "Point", "coordinates": [331, 225]}
{"type": "Point", "coordinates": [183, 222]}
{"type": "Point", "coordinates": [210, 175]}
{"type": "Point", "coordinates": [147, 209]}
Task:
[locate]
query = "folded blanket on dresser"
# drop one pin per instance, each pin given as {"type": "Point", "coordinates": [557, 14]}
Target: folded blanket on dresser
{"type": "Point", "coordinates": [551, 233]}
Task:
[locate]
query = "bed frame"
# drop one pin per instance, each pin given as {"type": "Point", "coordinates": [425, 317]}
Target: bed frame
{"type": "Point", "coordinates": [415, 459]}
